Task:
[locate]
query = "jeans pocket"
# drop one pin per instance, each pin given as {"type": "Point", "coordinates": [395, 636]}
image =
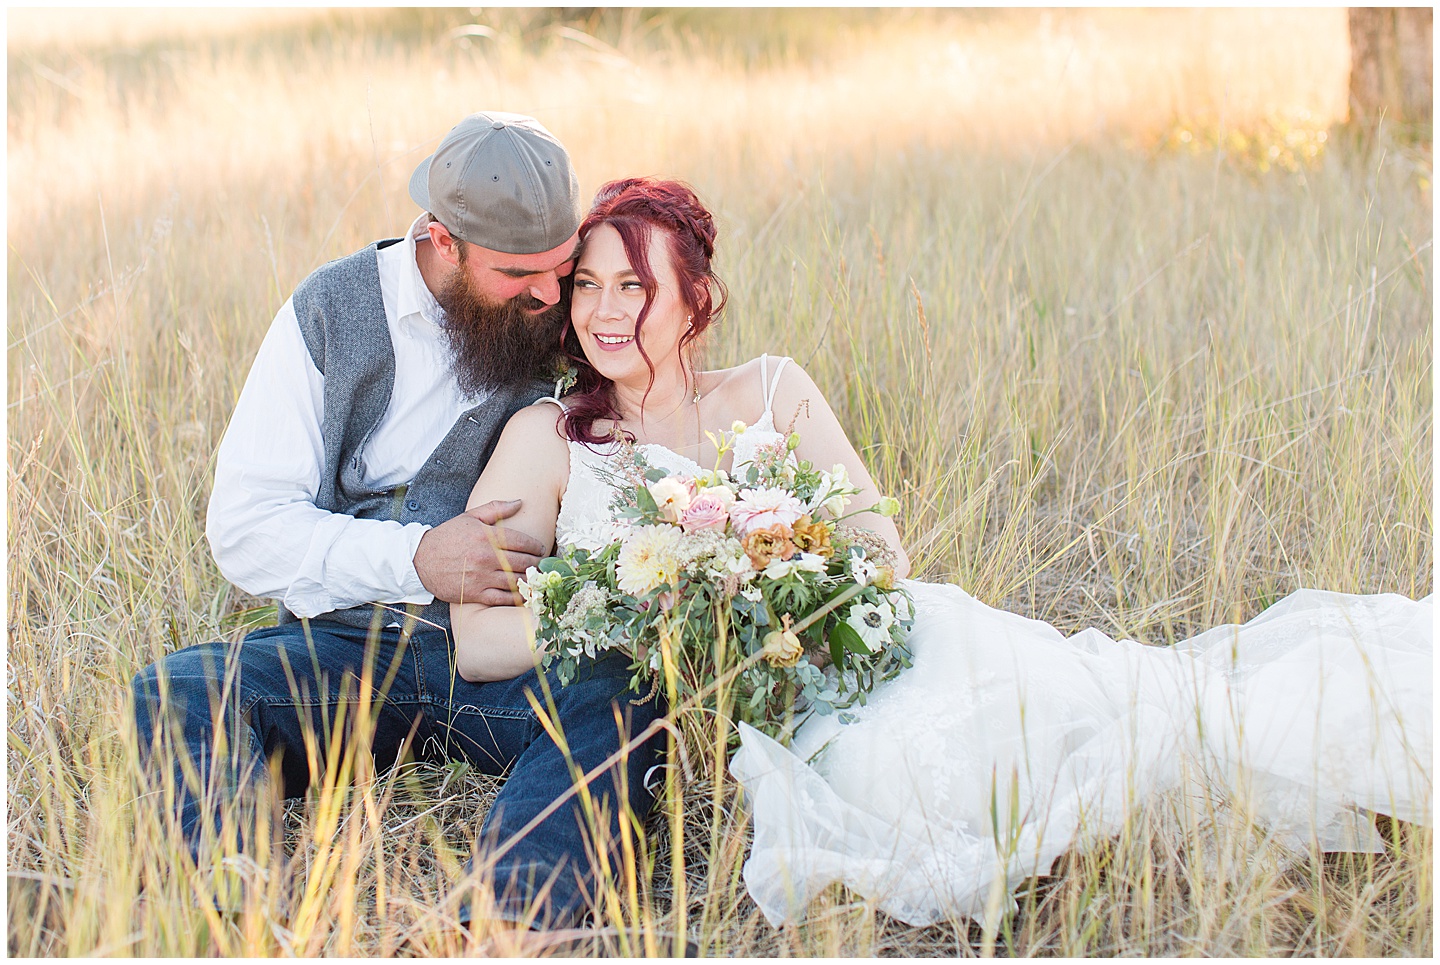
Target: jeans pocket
{"type": "Point", "coordinates": [490, 741]}
{"type": "Point", "coordinates": [489, 724]}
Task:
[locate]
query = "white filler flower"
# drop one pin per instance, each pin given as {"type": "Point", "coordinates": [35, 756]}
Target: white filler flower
{"type": "Point", "coordinates": [863, 571]}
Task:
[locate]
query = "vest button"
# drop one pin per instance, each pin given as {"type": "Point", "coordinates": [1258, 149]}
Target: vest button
{"type": "Point", "coordinates": [412, 504]}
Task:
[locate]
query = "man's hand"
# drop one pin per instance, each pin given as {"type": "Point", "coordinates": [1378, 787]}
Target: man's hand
{"type": "Point", "coordinates": [472, 559]}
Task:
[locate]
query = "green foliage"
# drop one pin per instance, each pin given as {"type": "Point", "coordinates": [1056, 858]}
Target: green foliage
{"type": "Point", "coordinates": [696, 609]}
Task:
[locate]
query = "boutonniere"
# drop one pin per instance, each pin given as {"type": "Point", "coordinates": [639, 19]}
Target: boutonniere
{"type": "Point", "coordinates": [566, 376]}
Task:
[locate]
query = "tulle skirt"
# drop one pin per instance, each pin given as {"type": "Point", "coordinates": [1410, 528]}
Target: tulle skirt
{"type": "Point", "coordinates": [1007, 744]}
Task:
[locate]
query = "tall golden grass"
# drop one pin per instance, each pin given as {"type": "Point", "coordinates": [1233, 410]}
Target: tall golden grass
{"type": "Point", "coordinates": [1136, 347]}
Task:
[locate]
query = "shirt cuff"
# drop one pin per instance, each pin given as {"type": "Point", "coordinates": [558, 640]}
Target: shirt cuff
{"type": "Point", "coordinates": [410, 586]}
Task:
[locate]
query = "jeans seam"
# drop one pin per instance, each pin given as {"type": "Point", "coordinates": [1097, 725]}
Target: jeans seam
{"type": "Point", "coordinates": [417, 654]}
{"type": "Point", "coordinates": [476, 710]}
{"type": "Point", "coordinates": [257, 747]}
{"type": "Point", "coordinates": [308, 702]}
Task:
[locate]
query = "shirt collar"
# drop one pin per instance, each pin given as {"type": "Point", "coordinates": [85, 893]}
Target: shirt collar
{"type": "Point", "coordinates": [415, 297]}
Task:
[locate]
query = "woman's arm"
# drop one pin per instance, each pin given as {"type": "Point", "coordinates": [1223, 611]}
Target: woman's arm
{"type": "Point", "coordinates": [531, 463]}
{"type": "Point", "coordinates": [824, 443]}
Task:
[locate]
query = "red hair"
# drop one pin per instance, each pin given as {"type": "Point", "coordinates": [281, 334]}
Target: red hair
{"type": "Point", "coordinates": [635, 207]}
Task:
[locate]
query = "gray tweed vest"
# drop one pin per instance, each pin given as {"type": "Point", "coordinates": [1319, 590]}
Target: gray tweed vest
{"type": "Point", "coordinates": [342, 317]}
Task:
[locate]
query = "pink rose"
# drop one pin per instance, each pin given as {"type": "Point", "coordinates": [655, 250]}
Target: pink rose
{"type": "Point", "coordinates": [722, 493]}
{"type": "Point", "coordinates": [705, 511]}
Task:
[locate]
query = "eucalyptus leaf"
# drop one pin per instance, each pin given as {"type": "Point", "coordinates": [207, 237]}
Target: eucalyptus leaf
{"type": "Point", "coordinates": [554, 564]}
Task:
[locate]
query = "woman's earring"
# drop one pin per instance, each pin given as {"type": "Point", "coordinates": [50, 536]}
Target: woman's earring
{"type": "Point", "coordinates": [691, 320]}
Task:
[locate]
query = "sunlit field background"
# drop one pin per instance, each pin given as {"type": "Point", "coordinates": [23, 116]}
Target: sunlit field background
{"type": "Point", "coordinates": [1137, 332]}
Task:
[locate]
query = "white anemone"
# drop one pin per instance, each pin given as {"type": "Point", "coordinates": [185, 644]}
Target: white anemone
{"type": "Point", "coordinates": [873, 622]}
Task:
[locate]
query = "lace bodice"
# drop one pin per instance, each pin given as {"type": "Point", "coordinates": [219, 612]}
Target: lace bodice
{"type": "Point", "coordinates": [585, 517]}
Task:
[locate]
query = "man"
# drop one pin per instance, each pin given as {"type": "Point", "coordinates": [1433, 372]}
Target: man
{"type": "Point", "coordinates": [340, 489]}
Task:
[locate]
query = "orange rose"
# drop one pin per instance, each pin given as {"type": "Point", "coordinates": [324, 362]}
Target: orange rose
{"type": "Point", "coordinates": [812, 536]}
{"type": "Point", "coordinates": [770, 543]}
{"type": "Point", "coordinates": [782, 648]}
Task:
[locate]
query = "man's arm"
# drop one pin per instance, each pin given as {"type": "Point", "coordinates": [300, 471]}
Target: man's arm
{"type": "Point", "coordinates": [270, 539]}
{"type": "Point", "coordinates": [265, 531]}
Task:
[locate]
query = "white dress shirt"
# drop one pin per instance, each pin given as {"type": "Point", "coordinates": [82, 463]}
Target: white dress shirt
{"type": "Point", "coordinates": [265, 531]}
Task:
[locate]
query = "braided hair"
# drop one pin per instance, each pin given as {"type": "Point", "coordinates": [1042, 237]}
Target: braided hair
{"type": "Point", "coordinates": [635, 207]}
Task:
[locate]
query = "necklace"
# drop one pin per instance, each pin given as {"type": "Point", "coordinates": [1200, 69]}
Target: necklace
{"type": "Point", "coordinates": [699, 423]}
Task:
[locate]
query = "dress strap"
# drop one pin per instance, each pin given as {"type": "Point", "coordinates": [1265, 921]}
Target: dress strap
{"type": "Point", "coordinates": [772, 383]}
{"type": "Point", "coordinates": [559, 402]}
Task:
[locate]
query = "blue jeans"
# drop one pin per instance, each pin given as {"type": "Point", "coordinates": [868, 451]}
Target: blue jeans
{"type": "Point", "coordinates": [288, 698]}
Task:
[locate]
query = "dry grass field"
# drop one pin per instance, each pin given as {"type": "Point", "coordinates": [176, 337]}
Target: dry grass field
{"type": "Point", "coordinates": [1139, 336]}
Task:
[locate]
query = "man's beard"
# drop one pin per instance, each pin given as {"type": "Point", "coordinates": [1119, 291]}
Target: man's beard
{"type": "Point", "coordinates": [498, 345]}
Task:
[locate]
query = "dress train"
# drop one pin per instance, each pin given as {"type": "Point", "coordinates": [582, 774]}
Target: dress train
{"type": "Point", "coordinates": [1008, 743]}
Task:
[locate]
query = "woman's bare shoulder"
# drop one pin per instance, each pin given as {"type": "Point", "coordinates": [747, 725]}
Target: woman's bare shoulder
{"type": "Point", "coordinates": [530, 457]}
{"type": "Point", "coordinates": [727, 378]}
{"type": "Point", "coordinates": [795, 388]}
{"type": "Point", "coordinates": [742, 387]}
{"type": "Point", "coordinates": [794, 376]}
{"type": "Point", "coordinates": [539, 424]}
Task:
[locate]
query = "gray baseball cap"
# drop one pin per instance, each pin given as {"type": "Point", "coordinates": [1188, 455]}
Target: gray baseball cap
{"type": "Point", "coordinates": [501, 181]}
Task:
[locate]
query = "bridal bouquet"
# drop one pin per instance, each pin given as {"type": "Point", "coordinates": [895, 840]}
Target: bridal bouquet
{"type": "Point", "coordinates": [751, 592]}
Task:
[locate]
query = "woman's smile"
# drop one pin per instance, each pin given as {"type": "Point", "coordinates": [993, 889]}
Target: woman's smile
{"type": "Point", "coordinates": [613, 343]}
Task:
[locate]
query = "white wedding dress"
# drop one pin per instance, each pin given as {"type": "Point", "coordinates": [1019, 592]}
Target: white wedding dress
{"type": "Point", "coordinates": [1008, 743]}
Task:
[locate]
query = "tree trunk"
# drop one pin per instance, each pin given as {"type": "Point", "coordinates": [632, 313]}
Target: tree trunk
{"type": "Point", "coordinates": [1391, 67]}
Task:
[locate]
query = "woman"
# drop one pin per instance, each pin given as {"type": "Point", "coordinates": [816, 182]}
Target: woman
{"type": "Point", "coordinates": [1006, 743]}
{"type": "Point", "coordinates": [643, 294]}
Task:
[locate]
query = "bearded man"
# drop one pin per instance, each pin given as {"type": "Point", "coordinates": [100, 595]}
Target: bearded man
{"type": "Point", "coordinates": [340, 487]}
